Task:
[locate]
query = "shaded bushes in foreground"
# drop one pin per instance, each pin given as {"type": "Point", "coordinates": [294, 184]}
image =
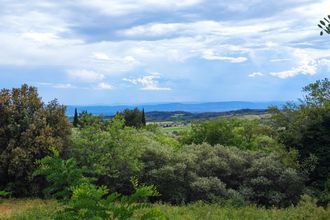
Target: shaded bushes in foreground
{"type": "Point", "coordinates": [217, 174]}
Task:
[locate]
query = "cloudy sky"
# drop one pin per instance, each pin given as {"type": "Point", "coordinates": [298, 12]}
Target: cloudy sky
{"type": "Point", "coordinates": [155, 51]}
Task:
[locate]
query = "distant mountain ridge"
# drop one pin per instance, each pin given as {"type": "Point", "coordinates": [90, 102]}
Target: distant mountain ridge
{"type": "Point", "coordinates": [171, 107]}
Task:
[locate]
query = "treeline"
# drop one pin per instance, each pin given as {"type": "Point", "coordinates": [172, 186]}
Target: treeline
{"type": "Point", "coordinates": [133, 118]}
{"type": "Point", "coordinates": [235, 161]}
{"type": "Point", "coordinates": [182, 116]}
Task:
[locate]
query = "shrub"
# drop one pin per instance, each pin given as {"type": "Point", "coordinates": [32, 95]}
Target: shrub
{"type": "Point", "coordinates": [242, 133]}
{"type": "Point", "coordinates": [90, 202]}
{"type": "Point", "coordinates": [217, 173]}
{"type": "Point", "coordinates": [4, 194]}
{"type": "Point", "coordinates": [61, 175]}
{"type": "Point", "coordinates": [209, 189]}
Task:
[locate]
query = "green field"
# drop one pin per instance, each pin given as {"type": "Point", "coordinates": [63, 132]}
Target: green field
{"type": "Point", "coordinates": [44, 209]}
{"type": "Point", "coordinates": [175, 129]}
{"type": "Point", "coordinates": [171, 127]}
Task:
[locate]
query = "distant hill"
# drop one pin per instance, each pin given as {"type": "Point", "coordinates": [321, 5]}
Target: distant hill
{"type": "Point", "coordinates": [208, 107]}
{"type": "Point", "coordinates": [158, 116]}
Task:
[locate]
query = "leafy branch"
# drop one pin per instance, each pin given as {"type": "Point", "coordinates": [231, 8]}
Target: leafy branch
{"type": "Point", "coordinates": [324, 25]}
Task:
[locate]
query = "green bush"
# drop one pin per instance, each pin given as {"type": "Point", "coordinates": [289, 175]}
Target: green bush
{"type": "Point", "coordinates": [111, 152]}
{"type": "Point", "coordinates": [217, 173]}
{"type": "Point", "coordinates": [61, 175]}
{"type": "Point", "coordinates": [91, 202]}
{"type": "Point", "coordinates": [4, 194]}
{"type": "Point", "coordinates": [242, 133]}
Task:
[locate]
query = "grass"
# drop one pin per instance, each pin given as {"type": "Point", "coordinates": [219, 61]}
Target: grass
{"type": "Point", "coordinates": [26, 209]}
{"type": "Point", "coordinates": [175, 129]}
{"type": "Point", "coordinates": [216, 212]}
{"type": "Point", "coordinates": [44, 209]}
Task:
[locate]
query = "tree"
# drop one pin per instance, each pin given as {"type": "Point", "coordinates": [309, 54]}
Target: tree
{"type": "Point", "coordinates": [28, 128]}
{"type": "Point", "coordinates": [144, 123]}
{"type": "Point", "coordinates": [86, 119]}
{"type": "Point", "coordinates": [306, 127]}
{"type": "Point", "coordinates": [324, 25]}
{"type": "Point", "coordinates": [134, 118]}
{"type": "Point", "coordinates": [75, 118]}
{"type": "Point", "coordinates": [318, 93]}
{"type": "Point", "coordinates": [242, 133]}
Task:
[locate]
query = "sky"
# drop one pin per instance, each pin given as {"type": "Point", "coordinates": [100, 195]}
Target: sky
{"type": "Point", "coordinates": [92, 52]}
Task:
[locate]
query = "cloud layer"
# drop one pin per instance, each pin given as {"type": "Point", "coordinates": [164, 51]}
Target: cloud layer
{"type": "Point", "coordinates": [205, 50]}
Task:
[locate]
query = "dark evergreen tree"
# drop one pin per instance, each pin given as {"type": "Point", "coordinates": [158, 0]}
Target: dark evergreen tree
{"type": "Point", "coordinates": [75, 118]}
{"type": "Point", "coordinates": [144, 123]}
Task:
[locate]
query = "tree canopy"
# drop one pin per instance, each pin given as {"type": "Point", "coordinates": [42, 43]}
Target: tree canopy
{"type": "Point", "coordinates": [28, 128]}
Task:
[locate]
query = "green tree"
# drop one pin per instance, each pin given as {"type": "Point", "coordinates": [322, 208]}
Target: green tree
{"type": "Point", "coordinates": [75, 118]}
{"type": "Point", "coordinates": [325, 25]}
{"type": "Point", "coordinates": [242, 133]}
{"type": "Point", "coordinates": [86, 119]}
{"type": "Point", "coordinates": [318, 93]}
{"type": "Point", "coordinates": [144, 123]}
{"type": "Point", "coordinates": [110, 152]}
{"type": "Point", "coordinates": [28, 128]}
{"type": "Point", "coordinates": [306, 127]}
{"type": "Point", "coordinates": [134, 118]}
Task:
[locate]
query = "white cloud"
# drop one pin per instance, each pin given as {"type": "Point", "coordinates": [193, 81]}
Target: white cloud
{"type": "Point", "coordinates": [306, 62]}
{"type": "Point", "coordinates": [148, 82]}
{"type": "Point", "coordinates": [50, 40]}
{"type": "Point", "coordinates": [308, 69]}
{"type": "Point", "coordinates": [279, 60]}
{"type": "Point", "coordinates": [204, 27]}
{"type": "Point", "coordinates": [101, 56]}
{"type": "Point", "coordinates": [40, 37]}
{"type": "Point", "coordinates": [85, 75]}
{"type": "Point", "coordinates": [104, 86]}
{"type": "Point", "coordinates": [255, 74]}
{"type": "Point", "coordinates": [57, 85]}
{"type": "Point", "coordinates": [124, 7]}
{"type": "Point", "coordinates": [210, 55]}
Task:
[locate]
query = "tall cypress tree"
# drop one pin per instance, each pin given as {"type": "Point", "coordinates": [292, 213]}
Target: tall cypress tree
{"type": "Point", "coordinates": [75, 118]}
{"type": "Point", "coordinates": [143, 118]}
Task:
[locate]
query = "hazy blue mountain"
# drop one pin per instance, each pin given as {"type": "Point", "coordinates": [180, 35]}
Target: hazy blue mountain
{"type": "Point", "coordinates": [187, 107]}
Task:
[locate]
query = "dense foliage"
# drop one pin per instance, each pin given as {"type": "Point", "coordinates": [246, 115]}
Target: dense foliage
{"type": "Point", "coordinates": [229, 161]}
{"type": "Point", "coordinates": [61, 175]}
{"type": "Point", "coordinates": [28, 128]}
{"type": "Point", "coordinates": [134, 118]}
{"type": "Point", "coordinates": [84, 200]}
{"type": "Point", "coordinates": [220, 174]}
{"type": "Point", "coordinates": [244, 134]}
{"type": "Point", "coordinates": [306, 127]}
